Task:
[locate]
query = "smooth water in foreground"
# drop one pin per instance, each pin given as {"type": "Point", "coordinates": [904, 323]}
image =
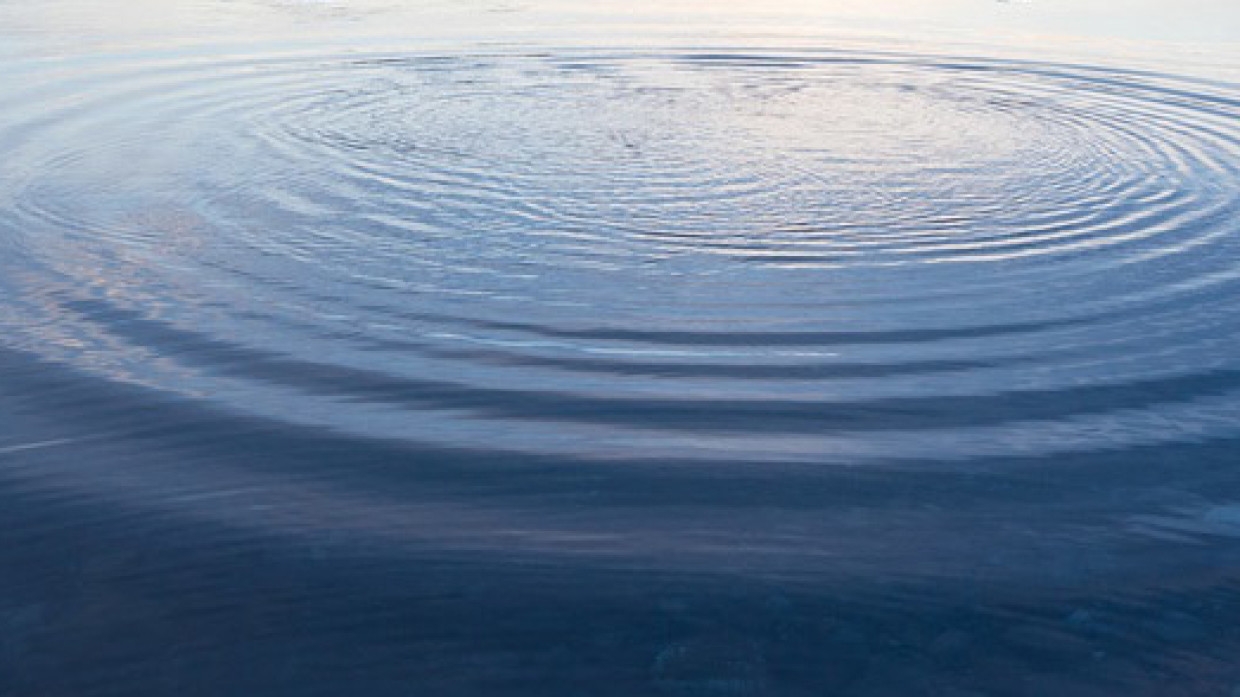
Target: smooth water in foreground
{"type": "Point", "coordinates": [549, 349]}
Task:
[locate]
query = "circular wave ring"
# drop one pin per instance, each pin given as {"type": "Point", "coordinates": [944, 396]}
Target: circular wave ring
{"type": "Point", "coordinates": [825, 256]}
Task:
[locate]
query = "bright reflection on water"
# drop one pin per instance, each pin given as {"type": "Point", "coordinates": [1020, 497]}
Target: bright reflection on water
{"type": "Point", "coordinates": [553, 348]}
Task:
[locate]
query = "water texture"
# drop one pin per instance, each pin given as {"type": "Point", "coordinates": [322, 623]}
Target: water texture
{"type": "Point", "coordinates": [638, 369]}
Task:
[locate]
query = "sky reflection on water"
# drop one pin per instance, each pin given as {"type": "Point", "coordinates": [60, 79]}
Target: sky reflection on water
{"type": "Point", "coordinates": [691, 349]}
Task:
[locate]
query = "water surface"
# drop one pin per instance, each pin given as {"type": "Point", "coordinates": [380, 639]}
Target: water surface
{"type": "Point", "coordinates": [550, 348]}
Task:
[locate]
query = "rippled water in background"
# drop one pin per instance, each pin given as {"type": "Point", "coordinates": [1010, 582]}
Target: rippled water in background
{"type": "Point", "coordinates": [563, 349]}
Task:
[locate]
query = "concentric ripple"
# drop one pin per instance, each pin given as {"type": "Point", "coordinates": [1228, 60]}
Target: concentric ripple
{"type": "Point", "coordinates": [826, 256]}
{"type": "Point", "coordinates": [503, 370]}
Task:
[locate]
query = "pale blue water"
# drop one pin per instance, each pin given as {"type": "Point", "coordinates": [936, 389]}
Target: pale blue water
{"type": "Point", "coordinates": [583, 349]}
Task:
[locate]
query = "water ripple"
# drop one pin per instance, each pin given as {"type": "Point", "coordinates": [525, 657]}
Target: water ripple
{"type": "Point", "coordinates": [731, 259]}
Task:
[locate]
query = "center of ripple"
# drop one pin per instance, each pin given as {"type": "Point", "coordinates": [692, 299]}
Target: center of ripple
{"type": "Point", "coordinates": [564, 162]}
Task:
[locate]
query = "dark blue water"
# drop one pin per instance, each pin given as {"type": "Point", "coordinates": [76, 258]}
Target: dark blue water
{"type": "Point", "coordinates": [496, 368]}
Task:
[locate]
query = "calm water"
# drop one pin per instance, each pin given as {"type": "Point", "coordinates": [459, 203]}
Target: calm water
{"type": "Point", "coordinates": [550, 348]}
